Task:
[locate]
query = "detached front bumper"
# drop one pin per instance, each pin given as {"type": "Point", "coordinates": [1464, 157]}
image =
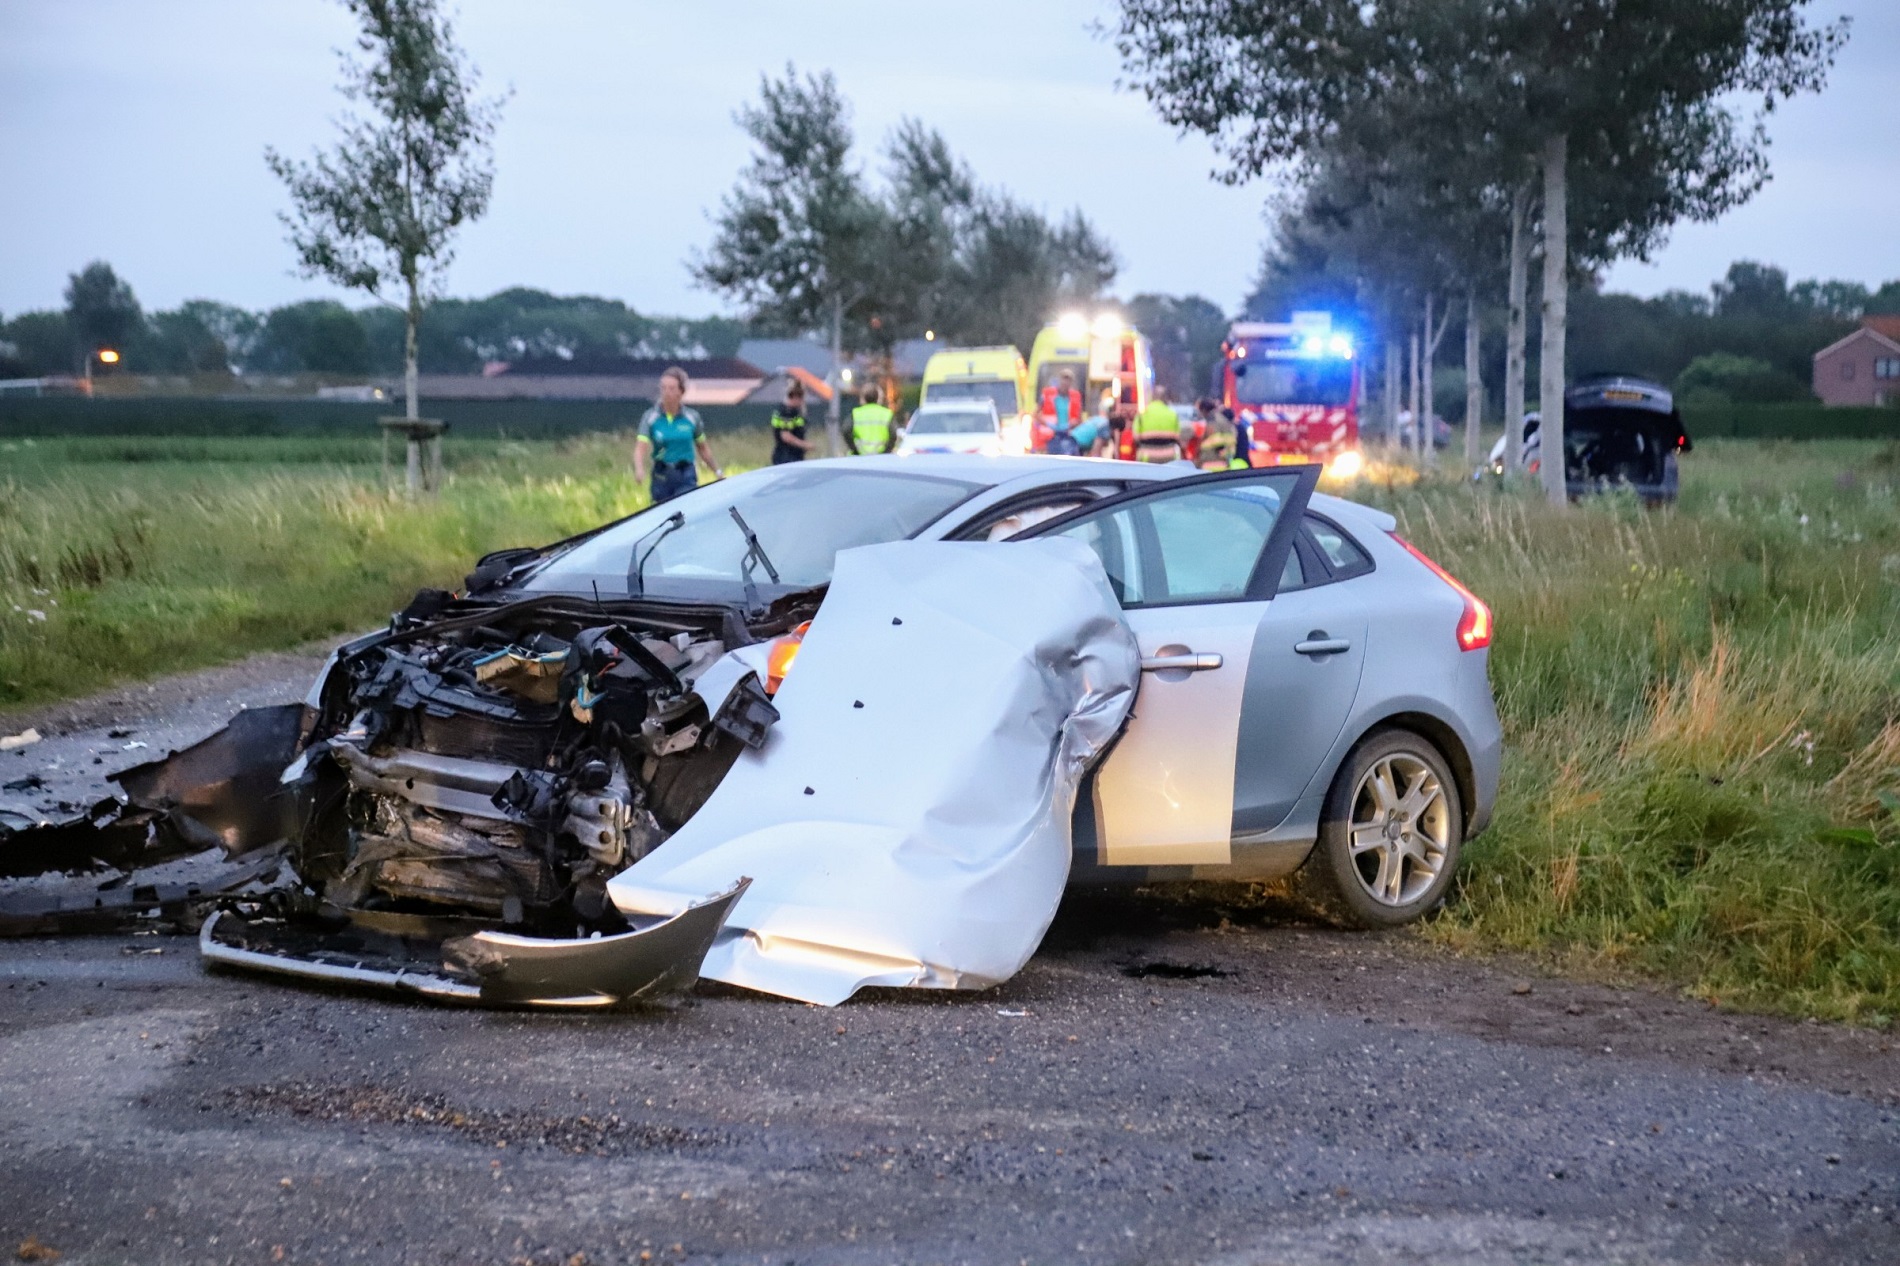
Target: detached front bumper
{"type": "Point", "coordinates": [487, 968]}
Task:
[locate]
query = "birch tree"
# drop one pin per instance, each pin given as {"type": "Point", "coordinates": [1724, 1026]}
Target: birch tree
{"type": "Point", "coordinates": [377, 212]}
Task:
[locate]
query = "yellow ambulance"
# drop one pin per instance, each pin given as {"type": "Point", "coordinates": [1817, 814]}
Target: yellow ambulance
{"type": "Point", "coordinates": [995, 374]}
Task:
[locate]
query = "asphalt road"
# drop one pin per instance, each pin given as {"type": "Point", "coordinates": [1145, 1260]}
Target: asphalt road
{"type": "Point", "coordinates": [1168, 1081]}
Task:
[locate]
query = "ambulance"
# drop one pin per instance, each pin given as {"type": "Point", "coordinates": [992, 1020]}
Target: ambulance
{"type": "Point", "coordinates": [995, 374]}
{"type": "Point", "coordinates": [1103, 355]}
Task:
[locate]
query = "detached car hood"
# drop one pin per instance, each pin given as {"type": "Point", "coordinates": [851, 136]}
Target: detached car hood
{"type": "Point", "coordinates": [908, 821]}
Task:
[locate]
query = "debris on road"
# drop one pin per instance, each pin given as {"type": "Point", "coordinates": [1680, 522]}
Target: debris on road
{"type": "Point", "coordinates": [14, 742]}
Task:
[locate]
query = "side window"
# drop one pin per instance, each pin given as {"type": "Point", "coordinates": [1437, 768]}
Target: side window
{"type": "Point", "coordinates": [1200, 543]}
{"type": "Point", "coordinates": [1293, 575]}
{"type": "Point", "coordinates": [1115, 541]}
{"type": "Point", "coordinates": [1018, 517]}
{"type": "Point", "coordinates": [1344, 558]}
{"type": "Point", "coordinates": [1026, 517]}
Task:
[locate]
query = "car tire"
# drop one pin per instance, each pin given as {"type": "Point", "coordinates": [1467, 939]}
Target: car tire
{"type": "Point", "coordinates": [1396, 798]}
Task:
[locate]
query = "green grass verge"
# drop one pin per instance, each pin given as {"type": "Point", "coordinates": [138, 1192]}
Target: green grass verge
{"type": "Point", "coordinates": [126, 558]}
{"type": "Point", "coordinates": [1702, 712]}
{"type": "Point", "coordinates": [1701, 704]}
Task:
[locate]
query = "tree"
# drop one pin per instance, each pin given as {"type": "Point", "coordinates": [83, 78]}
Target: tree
{"type": "Point", "coordinates": [1186, 333]}
{"type": "Point", "coordinates": [1640, 94]}
{"type": "Point", "coordinates": [317, 336]}
{"type": "Point", "coordinates": [1016, 270]}
{"type": "Point", "coordinates": [1722, 378]}
{"type": "Point", "coordinates": [798, 238]}
{"type": "Point", "coordinates": [378, 212]}
{"type": "Point", "coordinates": [805, 242]}
{"type": "Point", "coordinates": [101, 312]}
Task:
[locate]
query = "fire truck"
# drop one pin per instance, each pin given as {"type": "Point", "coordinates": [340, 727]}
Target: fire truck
{"type": "Point", "coordinates": [1295, 386]}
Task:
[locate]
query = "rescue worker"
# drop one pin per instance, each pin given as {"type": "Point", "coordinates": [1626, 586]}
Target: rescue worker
{"type": "Point", "coordinates": [788, 427]}
{"type": "Point", "coordinates": [1158, 431]}
{"type": "Point", "coordinates": [1224, 446]}
{"type": "Point", "coordinates": [670, 439]}
{"type": "Point", "coordinates": [1060, 413]}
{"type": "Point", "coordinates": [871, 430]}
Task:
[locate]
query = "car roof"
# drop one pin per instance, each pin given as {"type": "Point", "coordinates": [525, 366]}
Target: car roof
{"type": "Point", "coordinates": [994, 472]}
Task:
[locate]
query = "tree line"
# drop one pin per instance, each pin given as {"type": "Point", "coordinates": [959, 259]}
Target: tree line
{"type": "Point", "coordinates": [1749, 338]}
{"type": "Point", "coordinates": [460, 336]}
{"type": "Point", "coordinates": [1442, 148]}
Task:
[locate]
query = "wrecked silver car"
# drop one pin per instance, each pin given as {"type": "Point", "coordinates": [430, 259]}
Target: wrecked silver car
{"type": "Point", "coordinates": [444, 812]}
{"type": "Point", "coordinates": [594, 773]}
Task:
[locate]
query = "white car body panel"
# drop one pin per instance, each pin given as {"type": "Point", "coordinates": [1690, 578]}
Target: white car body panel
{"type": "Point", "coordinates": [906, 822]}
{"type": "Point", "coordinates": [1165, 795]}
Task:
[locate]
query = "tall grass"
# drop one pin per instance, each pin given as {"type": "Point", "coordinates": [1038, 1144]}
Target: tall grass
{"type": "Point", "coordinates": [194, 551]}
{"type": "Point", "coordinates": [1702, 711]}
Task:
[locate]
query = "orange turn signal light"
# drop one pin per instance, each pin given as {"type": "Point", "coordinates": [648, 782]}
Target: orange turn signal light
{"type": "Point", "coordinates": [778, 660]}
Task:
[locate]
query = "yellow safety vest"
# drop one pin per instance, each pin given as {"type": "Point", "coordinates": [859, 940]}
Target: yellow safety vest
{"type": "Point", "coordinates": [871, 428]}
{"type": "Point", "coordinates": [1159, 421]}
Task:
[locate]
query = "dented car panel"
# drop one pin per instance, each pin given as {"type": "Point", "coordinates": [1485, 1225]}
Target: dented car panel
{"type": "Point", "coordinates": [907, 824]}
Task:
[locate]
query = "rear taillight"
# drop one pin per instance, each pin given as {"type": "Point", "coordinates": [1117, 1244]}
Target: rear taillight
{"type": "Point", "coordinates": [778, 660]}
{"type": "Point", "coordinates": [1474, 626]}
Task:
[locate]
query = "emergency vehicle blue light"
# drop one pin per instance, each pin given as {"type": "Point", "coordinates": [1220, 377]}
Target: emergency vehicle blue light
{"type": "Point", "coordinates": [1314, 346]}
{"type": "Point", "coordinates": [1341, 346]}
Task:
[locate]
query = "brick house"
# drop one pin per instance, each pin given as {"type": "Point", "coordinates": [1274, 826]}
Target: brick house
{"type": "Point", "coordinates": [1864, 367]}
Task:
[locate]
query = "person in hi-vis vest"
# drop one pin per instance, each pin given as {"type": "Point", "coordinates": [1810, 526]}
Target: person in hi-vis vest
{"type": "Point", "coordinates": [871, 430]}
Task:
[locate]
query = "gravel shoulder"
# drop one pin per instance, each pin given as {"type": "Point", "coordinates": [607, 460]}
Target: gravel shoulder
{"type": "Point", "coordinates": [1171, 1078]}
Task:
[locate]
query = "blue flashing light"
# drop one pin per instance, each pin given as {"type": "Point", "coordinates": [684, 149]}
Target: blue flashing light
{"type": "Point", "coordinates": [1340, 346]}
{"type": "Point", "coordinates": [1314, 346]}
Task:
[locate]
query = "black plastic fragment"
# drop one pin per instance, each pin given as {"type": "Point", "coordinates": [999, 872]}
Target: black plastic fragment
{"type": "Point", "coordinates": [747, 712]}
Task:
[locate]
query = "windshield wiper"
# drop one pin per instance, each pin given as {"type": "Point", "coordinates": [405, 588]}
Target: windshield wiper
{"type": "Point", "coordinates": [754, 555]}
{"type": "Point", "coordinates": [636, 573]}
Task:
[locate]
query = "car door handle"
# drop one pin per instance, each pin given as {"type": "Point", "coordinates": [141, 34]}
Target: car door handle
{"type": "Point", "coordinates": [1191, 662]}
{"type": "Point", "coordinates": [1322, 646]}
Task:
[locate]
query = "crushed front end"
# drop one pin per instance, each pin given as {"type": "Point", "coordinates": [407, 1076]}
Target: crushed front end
{"type": "Point", "coordinates": [453, 797]}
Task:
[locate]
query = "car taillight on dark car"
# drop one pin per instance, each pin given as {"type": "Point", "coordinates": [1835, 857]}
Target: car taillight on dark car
{"type": "Point", "coordinates": [1474, 625]}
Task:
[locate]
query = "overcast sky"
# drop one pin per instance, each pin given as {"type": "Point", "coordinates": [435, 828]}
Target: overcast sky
{"type": "Point", "coordinates": [133, 131]}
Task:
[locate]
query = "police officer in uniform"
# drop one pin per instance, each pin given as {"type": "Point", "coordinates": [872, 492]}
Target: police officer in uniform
{"type": "Point", "coordinates": [871, 429]}
{"type": "Point", "coordinates": [672, 438]}
{"type": "Point", "coordinates": [788, 427]}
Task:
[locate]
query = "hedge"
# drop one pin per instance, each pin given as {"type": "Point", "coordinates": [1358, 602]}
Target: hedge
{"type": "Point", "coordinates": [23, 416]}
{"type": "Point", "coordinates": [1802, 421]}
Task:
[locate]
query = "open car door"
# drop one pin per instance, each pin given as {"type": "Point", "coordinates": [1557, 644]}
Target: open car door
{"type": "Point", "coordinates": [1195, 563]}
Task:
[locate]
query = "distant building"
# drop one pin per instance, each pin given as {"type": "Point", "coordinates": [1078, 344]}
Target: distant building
{"type": "Point", "coordinates": [714, 380]}
{"type": "Point", "coordinates": [777, 355]}
{"type": "Point", "coordinates": [1863, 368]}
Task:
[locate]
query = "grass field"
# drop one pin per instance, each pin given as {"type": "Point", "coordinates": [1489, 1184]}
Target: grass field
{"type": "Point", "coordinates": [124, 558]}
{"type": "Point", "coordinates": [1702, 710]}
{"type": "Point", "coordinates": [1702, 704]}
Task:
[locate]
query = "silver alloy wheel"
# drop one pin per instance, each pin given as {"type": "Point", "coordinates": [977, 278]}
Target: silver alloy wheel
{"type": "Point", "coordinates": [1400, 829]}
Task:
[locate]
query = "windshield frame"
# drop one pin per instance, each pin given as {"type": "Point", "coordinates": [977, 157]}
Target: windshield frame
{"type": "Point", "coordinates": [970, 386]}
{"type": "Point", "coordinates": [990, 423]}
{"type": "Point", "coordinates": [717, 590]}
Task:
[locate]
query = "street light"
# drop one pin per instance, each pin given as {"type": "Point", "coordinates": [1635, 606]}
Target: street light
{"type": "Point", "coordinates": [108, 357]}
